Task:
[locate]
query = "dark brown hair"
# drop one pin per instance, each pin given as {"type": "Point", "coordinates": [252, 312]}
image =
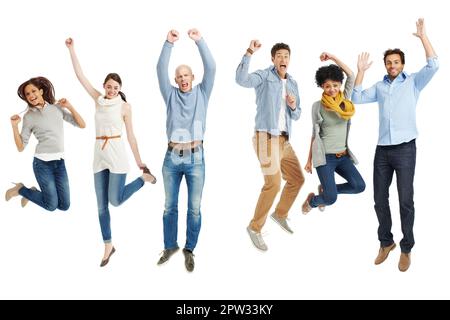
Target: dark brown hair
{"type": "Point", "coordinates": [40, 83]}
{"type": "Point", "coordinates": [279, 46]}
{"type": "Point", "coordinates": [116, 78]}
{"type": "Point", "coordinates": [394, 51]}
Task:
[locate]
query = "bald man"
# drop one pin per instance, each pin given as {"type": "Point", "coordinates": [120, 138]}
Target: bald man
{"type": "Point", "coordinates": [185, 127]}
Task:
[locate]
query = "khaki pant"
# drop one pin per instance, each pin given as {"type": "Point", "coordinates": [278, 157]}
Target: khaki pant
{"type": "Point", "coordinates": [277, 160]}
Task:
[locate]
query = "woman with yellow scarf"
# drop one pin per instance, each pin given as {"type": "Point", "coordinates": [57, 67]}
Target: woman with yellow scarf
{"type": "Point", "coordinates": [329, 151]}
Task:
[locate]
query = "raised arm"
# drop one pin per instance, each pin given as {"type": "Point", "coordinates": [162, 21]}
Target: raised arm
{"type": "Point", "coordinates": [243, 78]}
{"type": "Point", "coordinates": [350, 81]}
{"type": "Point", "coordinates": [363, 65]}
{"type": "Point", "coordinates": [424, 76]}
{"type": "Point", "coordinates": [79, 72]}
{"type": "Point", "coordinates": [72, 116]}
{"type": "Point", "coordinates": [359, 95]}
{"type": "Point", "coordinates": [126, 111]}
{"type": "Point", "coordinates": [162, 68]}
{"type": "Point", "coordinates": [209, 65]}
{"type": "Point", "coordinates": [15, 120]}
{"type": "Point", "coordinates": [328, 56]}
{"type": "Point", "coordinates": [421, 34]}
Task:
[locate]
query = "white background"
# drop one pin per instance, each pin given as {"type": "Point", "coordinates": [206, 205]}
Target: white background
{"type": "Point", "coordinates": [330, 255]}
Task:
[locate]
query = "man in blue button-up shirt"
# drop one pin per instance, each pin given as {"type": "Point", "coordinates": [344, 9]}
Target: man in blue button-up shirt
{"type": "Point", "coordinates": [277, 104]}
{"type": "Point", "coordinates": [397, 97]}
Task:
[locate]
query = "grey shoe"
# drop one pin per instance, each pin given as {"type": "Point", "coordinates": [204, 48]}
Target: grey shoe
{"type": "Point", "coordinates": [167, 253]}
{"type": "Point", "coordinates": [281, 222]}
{"type": "Point", "coordinates": [257, 239]}
{"type": "Point", "coordinates": [188, 260]}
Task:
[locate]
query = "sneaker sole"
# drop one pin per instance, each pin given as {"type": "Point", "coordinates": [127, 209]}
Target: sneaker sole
{"type": "Point", "coordinates": [288, 231]}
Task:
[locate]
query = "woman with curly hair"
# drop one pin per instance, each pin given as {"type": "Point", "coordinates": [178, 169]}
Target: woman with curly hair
{"type": "Point", "coordinates": [329, 151]}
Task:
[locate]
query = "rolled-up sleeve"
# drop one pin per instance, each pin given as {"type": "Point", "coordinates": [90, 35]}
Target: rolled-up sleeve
{"type": "Point", "coordinates": [424, 76]}
{"type": "Point", "coordinates": [364, 96]}
{"type": "Point", "coordinates": [243, 78]}
{"type": "Point", "coordinates": [27, 129]}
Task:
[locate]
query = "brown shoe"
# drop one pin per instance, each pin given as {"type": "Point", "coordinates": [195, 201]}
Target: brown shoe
{"type": "Point", "coordinates": [24, 201]}
{"type": "Point", "coordinates": [404, 262]}
{"type": "Point", "coordinates": [383, 253]}
{"type": "Point", "coordinates": [13, 192]}
{"type": "Point", "coordinates": [306, 206]}
{"type": "Point", "coordinates": [105, 262]}
{"type": "Point", "coordinates": [148, 176]}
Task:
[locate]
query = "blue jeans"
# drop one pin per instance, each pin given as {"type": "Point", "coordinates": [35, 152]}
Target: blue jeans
{"type": "Point", "coordinates": [192, 166]}
{"type": "Point", "coordinates": [344, 167]}
{"type": "Point", "coordinates": [54, 184]}
{"type": "Point", "coordinates": [111, 188]}
{"type": "Point", "coordinates": [401, 159]}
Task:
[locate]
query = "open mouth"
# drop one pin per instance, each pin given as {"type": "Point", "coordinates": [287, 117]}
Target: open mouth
{"type": "Point", "coordinates": [184, 85]}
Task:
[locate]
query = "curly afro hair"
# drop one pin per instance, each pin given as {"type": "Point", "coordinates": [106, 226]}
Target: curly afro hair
{"type": "Point", "coordinates": [331, 72]}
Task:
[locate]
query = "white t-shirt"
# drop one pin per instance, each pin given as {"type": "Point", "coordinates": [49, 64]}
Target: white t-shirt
{"type": "Point", "coordinates": [282, 118]}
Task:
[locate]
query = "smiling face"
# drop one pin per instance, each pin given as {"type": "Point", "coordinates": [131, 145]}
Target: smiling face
{"type": "Point", "coordinates": [34, 95]}
{"type": "Point", "coordinates": [112, 88]}
{"type": "Point", "coordinates": [331, 88]}
{"type": "Point", "coordinates": [184, 78]}
{"type": "Point", "coordinates": [281, 62]}
{"type": "Point", "coordinates": [394, 65]}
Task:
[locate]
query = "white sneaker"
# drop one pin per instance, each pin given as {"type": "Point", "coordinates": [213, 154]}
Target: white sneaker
{"type": "Point", "coordinates": [257, 239]}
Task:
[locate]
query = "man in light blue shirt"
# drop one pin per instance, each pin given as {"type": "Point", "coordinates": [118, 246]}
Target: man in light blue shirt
{"type": "Point", "coordinates": [397, 97]}
{"type": "Point", "coordinates": [186, 118]}
{"type": "Point", "coordinates": [277, 103]}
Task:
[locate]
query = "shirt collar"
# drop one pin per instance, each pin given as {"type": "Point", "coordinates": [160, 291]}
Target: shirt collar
{"type": "Point", "coordinates": [274, 71]}
{"type": "Point", "coordinates": [400, 78]}
{"type": "Point", "coordinates": [36, 109]}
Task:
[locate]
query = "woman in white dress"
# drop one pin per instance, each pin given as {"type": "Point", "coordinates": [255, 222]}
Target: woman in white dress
{"type": "Point", "coordinates": [110, 159]}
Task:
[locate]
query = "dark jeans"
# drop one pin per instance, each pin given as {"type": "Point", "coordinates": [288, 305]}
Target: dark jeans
{"type": "Point", "coordinates": [344, 167]}
{"type": "Point", "coordinates": [401, 159]}
{"type": "Point", "coordinates": [54, 184]}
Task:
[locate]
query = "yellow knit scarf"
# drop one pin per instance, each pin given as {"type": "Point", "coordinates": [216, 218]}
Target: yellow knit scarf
{"type": "Point", "coordinates": [333, 104]}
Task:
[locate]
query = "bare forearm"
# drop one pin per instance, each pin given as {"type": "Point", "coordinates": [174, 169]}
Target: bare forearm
{"type": "Point", "coordinates": [76, 65]}
{"type": "Point", "coordinates": [343, 66]}
{"type": "Point", "coordinates": [359, 78]}
{"type": "Point", "coordinates": [78, 119]}
{"type": "Point", "coordinates": [310, 150]}
{"type": "Point", "coordinates": [18, 139]}
{"type": "Point", "coordinates": [429, 51]}
{"type": "Point", "coordinates": [134, 148]}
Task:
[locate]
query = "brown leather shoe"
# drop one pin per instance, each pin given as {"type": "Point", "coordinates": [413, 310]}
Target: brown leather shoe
{"type": "Point", "coordinates": [404, 262]}
{"type": "Point", "coordinates": [148, 176]}
{"type": "Point", "coordinates": [105, 262]}
{"type": "Point", "coordinates": [320, 191]}
{"type": "Point", "coordinates": [306, 206]}
{"type": "Point", "coordinates": [383, 253]}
